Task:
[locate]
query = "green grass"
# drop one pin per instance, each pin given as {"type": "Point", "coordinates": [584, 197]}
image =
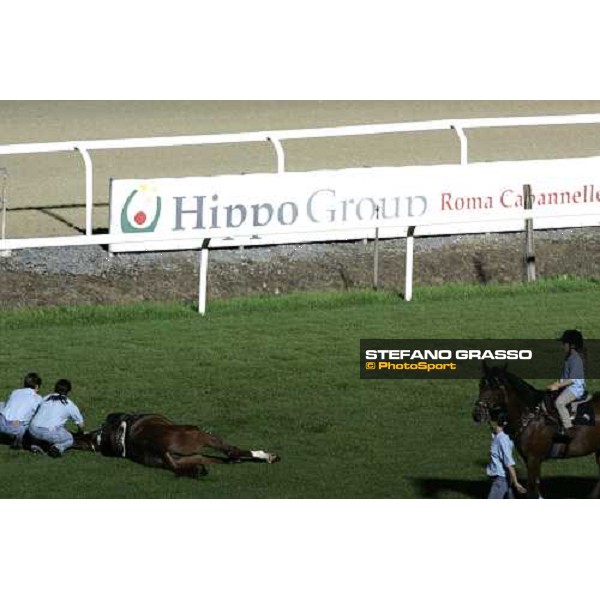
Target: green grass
{"type": "Point", "coordinates": [281, 373]}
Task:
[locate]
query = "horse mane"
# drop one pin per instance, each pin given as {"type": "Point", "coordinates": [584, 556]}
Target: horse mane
{"type": "Point", "coordinates": [530, 395]}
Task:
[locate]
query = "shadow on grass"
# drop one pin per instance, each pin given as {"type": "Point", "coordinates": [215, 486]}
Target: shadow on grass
{"type": "Point", "coordinates": [5, 440]}
{"type": "Point", "coordinates": [451, 488]}
{"type": "Point", "coordinates": [552, 487]}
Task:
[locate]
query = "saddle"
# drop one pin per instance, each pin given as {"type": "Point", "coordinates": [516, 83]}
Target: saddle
{"type": "Point", "coordinates": [113, 438]}
{"type": "Point", "coordinates": [581, 410]}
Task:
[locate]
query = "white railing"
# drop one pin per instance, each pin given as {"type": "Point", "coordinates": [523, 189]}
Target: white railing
{"type": "Point", "coordinates": [275, 137]}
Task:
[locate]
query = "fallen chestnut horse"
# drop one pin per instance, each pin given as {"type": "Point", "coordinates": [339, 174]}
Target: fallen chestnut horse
{"type": "Point", "coordinates": [155, 441]}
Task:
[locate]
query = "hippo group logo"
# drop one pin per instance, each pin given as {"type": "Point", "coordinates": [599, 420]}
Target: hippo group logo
{"type": "Point", "coordinates": [141, 211]}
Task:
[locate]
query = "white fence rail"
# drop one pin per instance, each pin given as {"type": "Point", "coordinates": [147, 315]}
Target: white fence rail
{"type": "Point", "coordinates": [274, 137]}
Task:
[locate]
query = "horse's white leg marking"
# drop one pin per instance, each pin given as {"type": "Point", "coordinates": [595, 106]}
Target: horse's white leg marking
{"type": "Point", "coordinates": [262, 455]}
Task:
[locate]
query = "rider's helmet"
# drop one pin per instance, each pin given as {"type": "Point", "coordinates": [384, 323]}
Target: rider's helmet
{"type": "Point", "coordinates": [572, 337]}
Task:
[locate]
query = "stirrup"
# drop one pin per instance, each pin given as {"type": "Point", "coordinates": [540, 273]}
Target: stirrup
{"type": "Point", "coordinates": [565, 433]}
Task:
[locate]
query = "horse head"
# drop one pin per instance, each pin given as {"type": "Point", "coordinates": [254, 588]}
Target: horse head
{"type": "Point", "coordinates": [85, 440]}
{"type": "Point", "coordinates": [492, 392]}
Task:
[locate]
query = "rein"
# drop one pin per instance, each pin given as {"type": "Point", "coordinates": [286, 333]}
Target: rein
{"type": "Point", "coordinates": [528, 413]}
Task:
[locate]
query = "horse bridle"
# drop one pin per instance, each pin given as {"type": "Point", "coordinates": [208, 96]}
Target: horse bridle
{"type": "Point", "coordinates": [494, 383]}
{"type": "Point", "coordinates": [485, 406]}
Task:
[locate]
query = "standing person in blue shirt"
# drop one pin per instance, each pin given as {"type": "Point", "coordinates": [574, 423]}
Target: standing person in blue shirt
{"type": "Point", "coordinates": [572, 378]}
{"type": "Point", "coordinates": [49, 421]}
{"type": "Point", "coordinates": [20, 407]}
{"type": "Point", "coordinates": [501, 467]}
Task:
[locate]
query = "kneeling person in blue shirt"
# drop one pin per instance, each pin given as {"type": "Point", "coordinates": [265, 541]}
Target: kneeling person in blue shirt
{"type": "Point", "coordinates": [17, 411]}
{"type": "Point", "coordinates": [48, 424]}
{"type": "Point", "coordinates": [501, 467]}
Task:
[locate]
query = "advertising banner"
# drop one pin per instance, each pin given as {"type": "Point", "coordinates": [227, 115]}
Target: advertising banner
{"type": "Point", "coordinates": [272, 208]}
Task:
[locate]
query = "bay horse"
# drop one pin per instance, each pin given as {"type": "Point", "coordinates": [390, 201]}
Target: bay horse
{"type": "Point", "coordinates": [532, 429]}
{"type": "Point", "coordinates": [155, 441]}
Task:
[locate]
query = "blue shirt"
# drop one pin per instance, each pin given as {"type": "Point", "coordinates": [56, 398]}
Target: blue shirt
{"type": "Point", "coordinates": [573, 369]}
{"type": "Point", "coordinates": [54, 413]}
{"type": "Point", "coordinates": [501, 455]}
{"type": "Point", "coordinates": [21, 405]}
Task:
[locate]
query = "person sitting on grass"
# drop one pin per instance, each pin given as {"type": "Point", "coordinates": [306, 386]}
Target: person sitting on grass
{"type": "Point", "coordinates": [17, 411]}
{"type": "Point", "coordinates": [48, 424]}
{"type": "Point", "coordinates": [501, 468]}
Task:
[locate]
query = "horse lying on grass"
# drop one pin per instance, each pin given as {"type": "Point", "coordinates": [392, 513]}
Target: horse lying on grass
{"type": "Point", "coordinates": [155, 441]}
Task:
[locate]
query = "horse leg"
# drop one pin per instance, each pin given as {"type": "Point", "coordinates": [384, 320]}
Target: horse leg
{"type": "Point", "coordinates": [190, 466]}
{"type": "Point", "coordinates": [596, 491]}
{"type": "Point", "coordinates": [216, 443]}
{"type": "Point", "coordinates": [534, 468]}
{"type": "Point", "coordinates": [189, 441]}
{"type": "Point", "coordinates": [234, 453]}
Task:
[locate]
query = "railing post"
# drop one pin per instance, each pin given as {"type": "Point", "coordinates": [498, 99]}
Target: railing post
{"type": "Point", "coordinates": [376, 255]}
{"type": "Point", "coordinates": [464, 144]}
{"type": "Point", "coordinates": [4, 202]}
{"type": "Point", "coordinates": [202, 283]}
{"type": "Point", "coordinates": [408, 274]}
{"type": "Point", "coordinates": [89, 188]}
{"type": "Point", "coordinates": [280, 153]}
{"type": "Point", "coordinates": [529, 248]}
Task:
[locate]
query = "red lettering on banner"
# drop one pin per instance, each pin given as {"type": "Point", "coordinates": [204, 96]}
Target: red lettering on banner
{"type": "Point", "coordinates": [510, 198]}
{"type": "Point", "coordinates": [506, 199]}
{"type": "Point", "coordinates": [590, 194]}
{"type": "Point", "coordinates": [594, 194]}
{"type": "Point", "coordinates": [587, 193]}
{"type": "Point", "coordinates": [465, 202]}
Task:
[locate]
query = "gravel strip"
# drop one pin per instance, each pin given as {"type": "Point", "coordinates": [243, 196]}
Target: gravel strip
{"type": "Point", "coordinates": [95, 260]}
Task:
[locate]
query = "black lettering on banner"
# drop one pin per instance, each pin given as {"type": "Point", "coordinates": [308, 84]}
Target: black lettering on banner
{"type": "Point", "coordinates": [179, 212]}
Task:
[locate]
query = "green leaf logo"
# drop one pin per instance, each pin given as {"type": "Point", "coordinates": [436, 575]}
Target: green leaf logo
{"type": "Point", "coordinates": [138, 210]}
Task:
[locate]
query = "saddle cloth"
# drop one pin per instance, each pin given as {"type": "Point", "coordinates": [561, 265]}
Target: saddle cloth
{"type": "Point", "coordinates": [582, 413]}
{"type": "Point", "coordinates": [582, 410]}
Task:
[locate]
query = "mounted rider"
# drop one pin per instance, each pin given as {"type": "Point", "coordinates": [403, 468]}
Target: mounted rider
{"type": "Point", "coordinates": [572, 379]}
